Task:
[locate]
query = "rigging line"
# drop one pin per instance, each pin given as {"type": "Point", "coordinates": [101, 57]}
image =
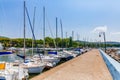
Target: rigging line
{"type": "Point", "coordinates": [32, 31]}
{"type": "Point", "coordinates": [49, 27]}
{"type": "Point", "coordinates": [50, 30]}
{"type": "Point", "coordinates": [4, 17]}
{"type": "Point", "coordinates": [39, 23]}
{"type": "Point", "coordinates": [30, 23]}
{"type": "Point", "coordinates": [40, 20]}
{"type": "Point", "coordinates": [3, 10]}
{"type": "Point", "coordinates": [34, 18]}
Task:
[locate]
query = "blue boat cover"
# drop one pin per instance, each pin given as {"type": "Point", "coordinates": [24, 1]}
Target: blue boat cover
{"type": "Point", "coordinates": [77, 49]}
{"type": "Point", "coordinates": [52, 52]}
{"type": "Point", "coordinates": [21, 56]}
{"type": "Point", "coordinates": [4, 53]}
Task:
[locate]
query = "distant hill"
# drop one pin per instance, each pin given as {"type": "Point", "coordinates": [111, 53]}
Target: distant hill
{"type": "Point", "coordinates": [108, 42]}
{"type": "Point", "coordinates": [112, 42]}
{"type": "Point", "coordinates": [3, 37]}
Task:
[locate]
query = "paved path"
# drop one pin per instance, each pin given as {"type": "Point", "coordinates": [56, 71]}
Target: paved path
{"type": "Point", "coordinates": [89, 66]}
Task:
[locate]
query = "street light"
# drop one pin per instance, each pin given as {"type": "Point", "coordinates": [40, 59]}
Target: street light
{"type": "Point", "coordinates": [100, 34]}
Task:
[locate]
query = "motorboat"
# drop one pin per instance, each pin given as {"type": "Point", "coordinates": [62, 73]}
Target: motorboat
{"type": "Point", "coordinates": [9, 71]}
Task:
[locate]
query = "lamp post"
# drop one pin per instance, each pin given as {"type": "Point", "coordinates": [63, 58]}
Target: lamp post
{"type": "Point", "coordinates": [103, 33]}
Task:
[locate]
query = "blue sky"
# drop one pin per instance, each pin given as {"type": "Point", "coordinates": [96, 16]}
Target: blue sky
{"type": "Point", "coordinates": [80, 16]}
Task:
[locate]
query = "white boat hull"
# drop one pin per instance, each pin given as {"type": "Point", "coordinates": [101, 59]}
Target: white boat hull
{"type": "Point", "coordinates": [38, 69]}
{"type": "Point", "coordinates": [11, 72]}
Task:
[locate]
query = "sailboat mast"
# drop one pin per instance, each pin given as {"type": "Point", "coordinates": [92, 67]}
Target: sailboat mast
{"type": "Point", "coordinates": [56, 27]}
{"type": "Point", "coordinates": [61, 33]}
{"type": "Point", "coordinates": [56, 31]}
{"type": "Point", "coordinates": [66, 40]}
{"type": "Point", "coordinates": [33, 29]}
{"type": "Point", "coordinates": [44, 28]}
{"type": "Point", "coordinates": [72, 35]}
{"type": "Point", "coordinates": [24, 31]}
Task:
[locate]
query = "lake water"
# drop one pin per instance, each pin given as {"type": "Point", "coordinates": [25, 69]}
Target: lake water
{"type": "Point", "coordinates": [9, 58]}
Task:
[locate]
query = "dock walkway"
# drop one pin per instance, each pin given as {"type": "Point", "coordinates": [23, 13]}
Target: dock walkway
{"type": "Point", "coordinates": [89, 66]}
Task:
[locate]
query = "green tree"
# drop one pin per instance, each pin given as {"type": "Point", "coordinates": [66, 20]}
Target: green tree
{"type": "Point", "coordinates": [49, 42]}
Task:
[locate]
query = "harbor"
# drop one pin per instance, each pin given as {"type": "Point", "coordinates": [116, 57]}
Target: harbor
{"type": "Point", "coordinates": [59, 40]}
{"type": "Point", "coordinates": [88, 64]}
{"type": "Point", "coordinates": [35, 65]}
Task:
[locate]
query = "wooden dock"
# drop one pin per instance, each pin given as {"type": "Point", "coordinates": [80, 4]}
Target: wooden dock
{"type": "Point", "coordinates": [89, 66]}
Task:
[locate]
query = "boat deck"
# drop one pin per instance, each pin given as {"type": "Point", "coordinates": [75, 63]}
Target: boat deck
{"type": "Point", "coordinates": [89, 66]}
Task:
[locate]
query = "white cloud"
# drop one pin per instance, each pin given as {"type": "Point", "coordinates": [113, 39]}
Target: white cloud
{"type": "Point", "coordinates": [100, 29]}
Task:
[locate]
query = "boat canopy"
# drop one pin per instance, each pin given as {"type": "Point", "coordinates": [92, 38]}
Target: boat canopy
{"type": "Point", "coordinates": [77, 49]}
{"type": "Point", "coordinates": [4, 53]}
{"type": "Point", "coordinates": [51, 52]}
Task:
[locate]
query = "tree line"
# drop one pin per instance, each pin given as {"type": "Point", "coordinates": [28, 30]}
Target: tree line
{"type": "Point", "coordinates": [51, 42]}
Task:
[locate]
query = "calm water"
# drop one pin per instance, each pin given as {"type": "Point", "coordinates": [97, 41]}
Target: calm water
{"type": "Point", "coordinates": [9, 58]}
{"type": "Point", "coordinates": [13, 57]}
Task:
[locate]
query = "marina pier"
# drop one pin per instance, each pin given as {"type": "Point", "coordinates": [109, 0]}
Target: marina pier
{"type": "Point", "coordinates": [89, 66]}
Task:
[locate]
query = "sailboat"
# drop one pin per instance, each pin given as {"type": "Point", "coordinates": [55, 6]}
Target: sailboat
{"type": "Point", "coordinates": [64, 55]}
{"type": "Point", "coordinates": [32, 64]}
{"type": "Point", "coordinates": [48, 60]}
{"type": "Point", "coordinates": [51, 59]}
